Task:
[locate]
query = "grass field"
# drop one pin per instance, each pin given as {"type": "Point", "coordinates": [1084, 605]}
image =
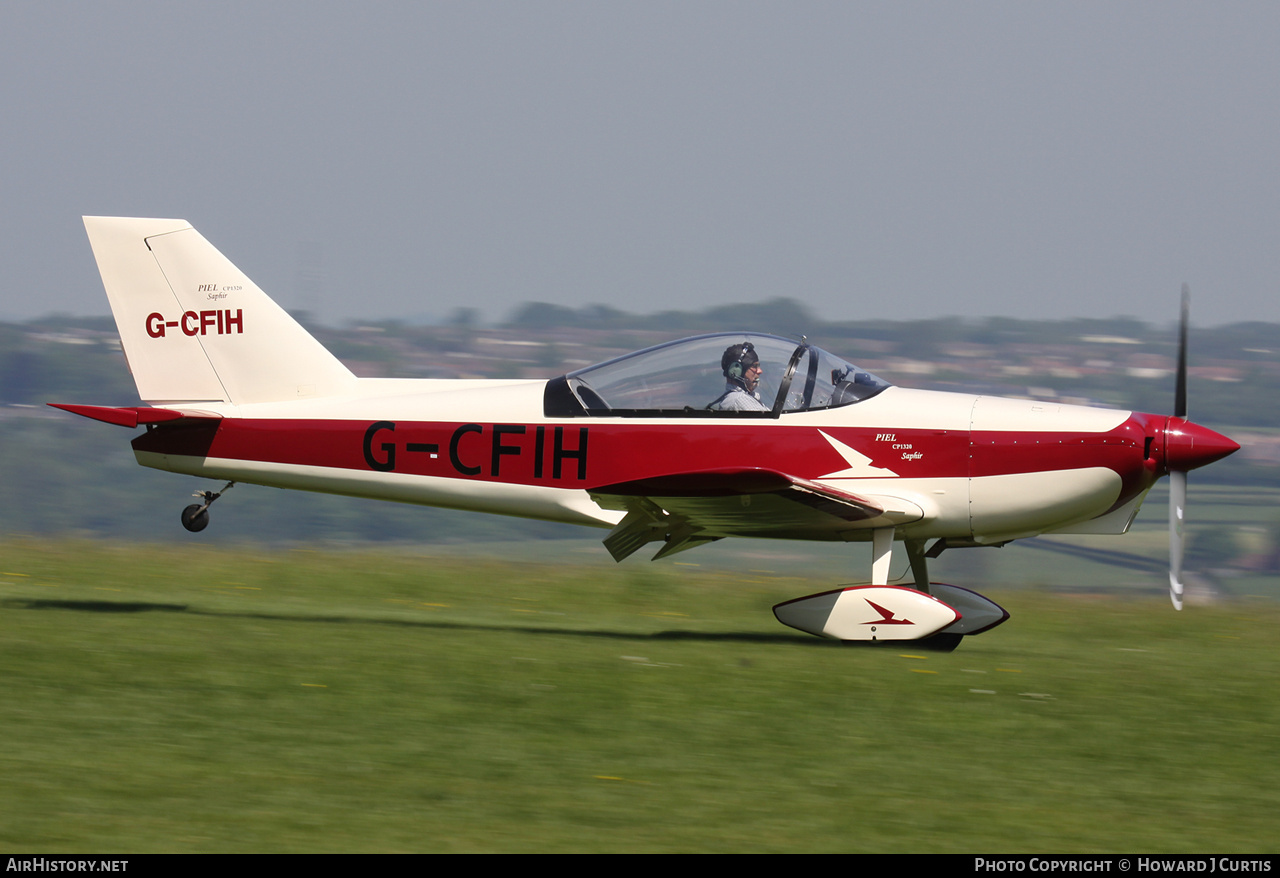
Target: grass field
{"type": "Point", "coordinates": [180, 699]}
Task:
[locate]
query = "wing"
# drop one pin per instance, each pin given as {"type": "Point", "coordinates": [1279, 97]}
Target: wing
{"type": "Point", "coordinates": [690, 509]}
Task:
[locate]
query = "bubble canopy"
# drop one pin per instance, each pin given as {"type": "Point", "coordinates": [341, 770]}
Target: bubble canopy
{"type": "Point", "coordinates": [684, 378]}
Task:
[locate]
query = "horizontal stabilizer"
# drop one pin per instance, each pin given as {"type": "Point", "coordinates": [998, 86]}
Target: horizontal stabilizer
{"type": "Point", "coordinates": [132, 416]}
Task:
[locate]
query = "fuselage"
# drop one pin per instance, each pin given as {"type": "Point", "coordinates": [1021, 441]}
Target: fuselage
{"type": "Point", "coordinates": [959, 466]}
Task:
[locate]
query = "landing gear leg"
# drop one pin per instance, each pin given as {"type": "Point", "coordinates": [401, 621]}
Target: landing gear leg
{"type": "Point", "coordinates": [195, 517]}
{"type": "Point", "coordinates": [919, 564]}
{"type": "Point", "coordinates": [881, 555]}
{"type": "Point", "coordinates": [920, 573]}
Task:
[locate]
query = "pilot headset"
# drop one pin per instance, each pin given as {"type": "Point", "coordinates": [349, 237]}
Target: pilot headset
{"type": "Point", "coordinates": [737, 358]}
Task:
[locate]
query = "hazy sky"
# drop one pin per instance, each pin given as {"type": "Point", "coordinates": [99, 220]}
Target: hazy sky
{"type": "Point", "coordinates": [886, 160]}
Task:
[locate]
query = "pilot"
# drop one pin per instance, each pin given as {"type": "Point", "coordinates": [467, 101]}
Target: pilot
{"type": "Point", "coordinates": [741, 367]}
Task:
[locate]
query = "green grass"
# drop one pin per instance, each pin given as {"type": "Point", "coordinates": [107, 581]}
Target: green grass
{"type": "Point", "coordinates": [179, 699]}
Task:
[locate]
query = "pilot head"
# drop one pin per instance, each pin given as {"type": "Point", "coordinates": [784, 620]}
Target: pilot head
{"type": "Point", "coordinates": [741, 365]}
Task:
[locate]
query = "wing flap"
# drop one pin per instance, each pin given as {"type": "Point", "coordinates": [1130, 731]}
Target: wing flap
{"type": "Point", "coordinates": [730, 488]}
{"type": "Point", "coordinates": [689, 509]}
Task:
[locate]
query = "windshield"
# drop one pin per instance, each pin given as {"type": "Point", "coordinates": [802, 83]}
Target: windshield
{"type": "Point", "coordinates": [697, 376]}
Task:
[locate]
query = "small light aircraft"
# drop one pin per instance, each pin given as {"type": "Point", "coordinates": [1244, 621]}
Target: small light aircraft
{"type": "Point", "coordinates": [651, 445]}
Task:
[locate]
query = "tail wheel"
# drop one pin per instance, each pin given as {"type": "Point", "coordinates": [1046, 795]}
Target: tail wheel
{"type": "Point", "coordinates": [195, 517]}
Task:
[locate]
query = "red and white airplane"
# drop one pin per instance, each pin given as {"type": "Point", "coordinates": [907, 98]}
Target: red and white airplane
{"type": "Point", "coordinates": [816, 448]}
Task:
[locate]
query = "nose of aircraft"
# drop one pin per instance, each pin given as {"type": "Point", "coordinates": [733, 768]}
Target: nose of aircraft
{"type": "Point", "coordinates": [1188, 446]}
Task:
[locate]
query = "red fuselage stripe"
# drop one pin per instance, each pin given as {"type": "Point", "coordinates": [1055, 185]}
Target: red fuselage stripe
{"type": "Point", "coordinates": [583, 454]}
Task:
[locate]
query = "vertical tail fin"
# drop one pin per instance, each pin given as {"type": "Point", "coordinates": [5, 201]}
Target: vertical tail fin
{"type": "Point", "coordinates": [194, 328]}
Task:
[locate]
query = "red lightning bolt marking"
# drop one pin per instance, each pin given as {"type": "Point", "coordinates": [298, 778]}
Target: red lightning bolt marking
{"type": "Point", "coordinates": [886, 616]}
